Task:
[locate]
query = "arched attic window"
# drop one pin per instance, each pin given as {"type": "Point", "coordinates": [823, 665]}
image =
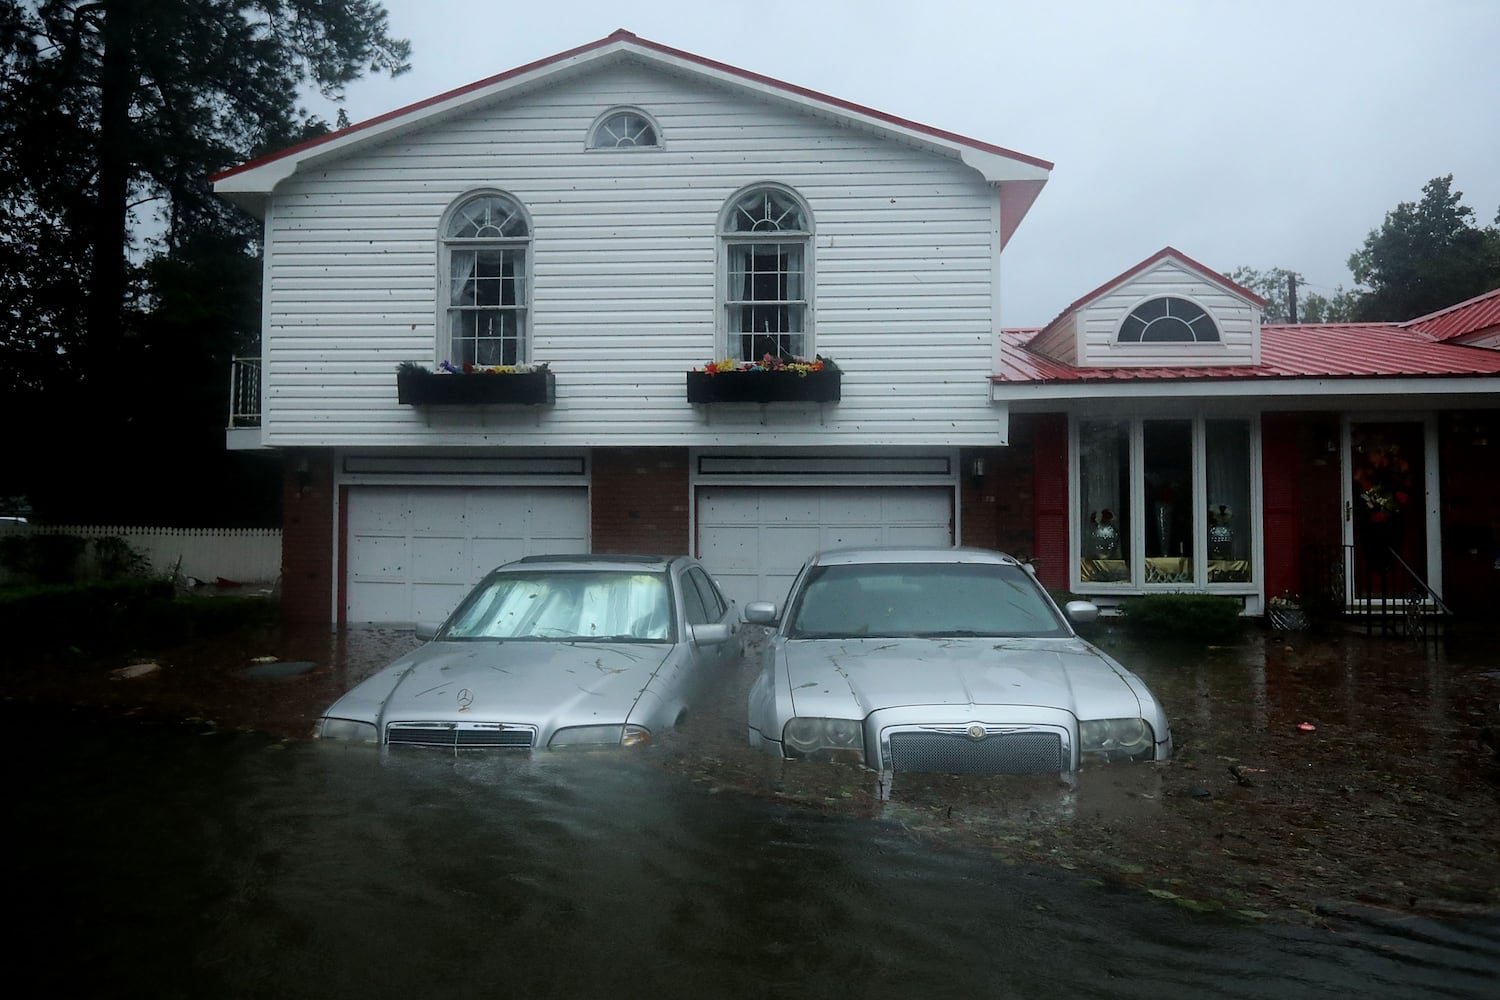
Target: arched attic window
{"type": "Point", "coordinates": [486, 241]}
{"type": "Point", "coordinates": [624, 129]}
{"type": "Point", "coordinates": [1168, 320]}
{"type": "Point", "coordinates": [767, 235]}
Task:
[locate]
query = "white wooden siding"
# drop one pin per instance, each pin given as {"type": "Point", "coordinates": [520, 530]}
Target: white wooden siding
{"type": "Point", "coordinates": [1099, 321]}
{"type": "Point", "coordinates": [1060, 342]}
{"type": "Point", "coordinates": [623, 292]}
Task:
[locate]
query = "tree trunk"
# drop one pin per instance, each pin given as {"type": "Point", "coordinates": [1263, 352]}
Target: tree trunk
{"type": "Point", "coordinates": [106, 300]}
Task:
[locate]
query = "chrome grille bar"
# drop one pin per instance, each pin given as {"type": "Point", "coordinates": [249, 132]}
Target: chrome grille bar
{"type": "Point", "coordinates": [461, 734]}
{"type": "Point", "coordinates": [929, 750]}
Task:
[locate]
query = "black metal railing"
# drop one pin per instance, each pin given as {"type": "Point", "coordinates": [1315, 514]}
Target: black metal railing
{"type": "Point", "coordinates": [1388, 596]}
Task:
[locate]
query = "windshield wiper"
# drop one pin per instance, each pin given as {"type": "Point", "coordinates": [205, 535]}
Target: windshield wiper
{"type": "Point", "coordinates": [950, 633]}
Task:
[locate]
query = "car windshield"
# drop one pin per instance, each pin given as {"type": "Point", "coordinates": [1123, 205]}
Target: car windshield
{"type": "Point", "coordinates": [579, 606]}
{"type": "Point", "coordinates": [922, 599]}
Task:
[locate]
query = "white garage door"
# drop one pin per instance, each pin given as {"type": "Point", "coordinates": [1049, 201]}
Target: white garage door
{"type": "Point", "coordinates": [415, 551]}
{"type": "Point", "coordinates": [753, 540]}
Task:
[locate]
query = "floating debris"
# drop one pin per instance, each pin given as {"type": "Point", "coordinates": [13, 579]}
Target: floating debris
{"type": "Point", "coordinates": [133, 671]}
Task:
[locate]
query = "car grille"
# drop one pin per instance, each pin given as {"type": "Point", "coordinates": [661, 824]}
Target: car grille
{"type": "Point", "coordinates": [460, 734]}
{"type": "Point", "coordinates": [958, 753]}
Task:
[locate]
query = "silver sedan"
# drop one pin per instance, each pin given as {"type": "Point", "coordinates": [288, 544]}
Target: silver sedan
{"type": "Point", "coordinates": [942, 660]}
{"type": "Point", "coordinates": [552, 652]}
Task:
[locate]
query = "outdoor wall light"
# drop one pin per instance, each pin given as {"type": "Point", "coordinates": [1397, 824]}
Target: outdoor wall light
{"type": "Point", "coordinates": [976, 470]}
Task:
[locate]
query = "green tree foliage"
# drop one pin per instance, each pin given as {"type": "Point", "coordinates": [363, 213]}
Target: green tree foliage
{"type": "Point", "coordinates": [125, 284]}
{"type": "Point", "coordinates": [1427, 255]}
{"type": "Point", "coordinates": [1274, 285]}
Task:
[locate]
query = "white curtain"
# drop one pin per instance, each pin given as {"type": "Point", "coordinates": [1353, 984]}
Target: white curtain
{"type": "Point", "coordinates": [1100, 443]}
{"type": "Point", "coordinates": [1227, 447]}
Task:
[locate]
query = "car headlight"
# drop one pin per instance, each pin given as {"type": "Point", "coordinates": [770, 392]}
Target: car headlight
{"type": "Point", "coordinates": [600, 736]}
{"type": "Point", "coordinates": [1117, 739]}
{"type": "Point", "coordinates": [837, 739]}
{"type": "Point", "coordinates": [346, 729]}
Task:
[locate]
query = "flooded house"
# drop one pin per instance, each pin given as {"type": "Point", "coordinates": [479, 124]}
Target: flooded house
{"type": "Point", "coordinates": [627, 298]}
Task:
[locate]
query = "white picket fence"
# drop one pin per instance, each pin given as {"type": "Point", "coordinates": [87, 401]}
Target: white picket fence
{"type": "Point", "coordinates": [243, 555]}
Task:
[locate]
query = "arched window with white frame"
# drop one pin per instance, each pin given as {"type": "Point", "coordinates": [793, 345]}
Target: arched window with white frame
{"type": "Point", "coordinates": [486, 246]}
{"type": "Point", "coordinates": [1168, 319]}
{"type": "Point", "coordinates": [625, 128]}
{"type": "Point", "coordinates": [766, 238]}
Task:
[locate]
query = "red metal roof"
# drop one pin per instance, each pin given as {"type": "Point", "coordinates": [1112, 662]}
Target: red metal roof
{"type": "Point", "coordinates": [1477, 315]}
{"type": "Point", "coordinates": [1333, 350]}
{"type": "Point", "coordinates": [630, 38]}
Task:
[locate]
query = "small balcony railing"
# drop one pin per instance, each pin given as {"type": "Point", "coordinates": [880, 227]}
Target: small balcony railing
{"type": "Point", "coordinates": [244, 393]}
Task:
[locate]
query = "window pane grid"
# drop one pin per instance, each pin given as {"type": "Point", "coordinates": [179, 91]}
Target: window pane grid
{"type": "Point", "coordinates": [487, 336]}
{"type": "Point", "coordinates": [487, 294]}
{"type": "Point", "coordinates": [765, 301]}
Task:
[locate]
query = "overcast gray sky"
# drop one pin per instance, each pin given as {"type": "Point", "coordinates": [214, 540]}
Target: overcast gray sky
{"type": "Point", "coordinates": [1273, 133]}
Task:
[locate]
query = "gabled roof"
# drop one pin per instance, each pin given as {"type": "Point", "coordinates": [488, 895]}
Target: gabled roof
{"type": "Point", "coordinates": [1478, 315]}
{"type": "Point", "coordinates": [1021, 177]}
{"type": "Point", "coordinates": [1165, 253]}
{"type": "Point", "coordinates": [1303, 351]}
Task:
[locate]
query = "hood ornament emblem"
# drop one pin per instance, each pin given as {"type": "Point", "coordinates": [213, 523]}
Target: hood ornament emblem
{"type": "Point", "coordinates": [976, 732]}
{"type": "Point", "coordinates": [465, 699]}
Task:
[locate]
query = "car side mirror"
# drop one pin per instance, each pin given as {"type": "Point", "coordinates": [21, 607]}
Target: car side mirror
{"type": "Point", "coordinates": [427, 631]}
{"type": "Point", "coordinates": [760, 613]}
{"type": "Point", "coordinates": [1081, 612]}
{"type": "Point", "coordinates": [710, 635]}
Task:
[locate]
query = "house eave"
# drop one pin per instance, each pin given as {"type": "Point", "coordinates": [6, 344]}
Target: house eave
{"type": "Point", "coordinates": [1272, 393]}
{"type": "Point", "coordinates": [995, 164]}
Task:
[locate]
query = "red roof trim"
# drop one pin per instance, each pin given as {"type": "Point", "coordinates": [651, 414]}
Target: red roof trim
{"type": "Point", "coordinates": [420, 105]}
{"type": "Point", "coordinates": [1164, 253]}
{"type": "Point", "coordinates": [621, 35]}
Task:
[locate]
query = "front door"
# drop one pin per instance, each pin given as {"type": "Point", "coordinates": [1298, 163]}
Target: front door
{"type": "Point", "coordinates": [1388, 493]}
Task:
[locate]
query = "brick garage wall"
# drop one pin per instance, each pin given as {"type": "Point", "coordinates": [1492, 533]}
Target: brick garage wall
{"type": "Point", "coordinates": [307, 536]}
{"type": "Point", "coordinates": [998, 507]}
{"type": "Point", "coordinates": [639, 500]}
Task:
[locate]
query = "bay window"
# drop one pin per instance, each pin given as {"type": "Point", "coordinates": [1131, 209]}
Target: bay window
{"type": "Point", "coordinates": [1163, 502]}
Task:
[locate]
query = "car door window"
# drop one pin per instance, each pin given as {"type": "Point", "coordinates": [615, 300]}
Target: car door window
{"type": "Point", "coordinates": [713, 601]}
{"type": "Point", "coordinates": [692, 602]}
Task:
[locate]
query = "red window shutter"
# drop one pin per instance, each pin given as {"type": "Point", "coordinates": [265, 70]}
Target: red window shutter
{"type": "Point", "coordinates": [1050, 499]}
{"type": "Point", "coordinates": [1279, 476]}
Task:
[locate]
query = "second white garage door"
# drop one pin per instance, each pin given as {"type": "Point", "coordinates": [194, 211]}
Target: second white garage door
{"type": "Point", "coordinates": [413, 552]}
{"type": "Point", "coordinates": [753, 540]}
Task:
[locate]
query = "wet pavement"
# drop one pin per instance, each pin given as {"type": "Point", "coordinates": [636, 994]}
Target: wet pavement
{"type": "Point", "coordinates": [1365, 850]}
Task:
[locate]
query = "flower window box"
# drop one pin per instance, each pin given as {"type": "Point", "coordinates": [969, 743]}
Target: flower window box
{"type": "Point", "coordinates": [769, 381]}
{"type": "Point", "coordinates": [472, 385]}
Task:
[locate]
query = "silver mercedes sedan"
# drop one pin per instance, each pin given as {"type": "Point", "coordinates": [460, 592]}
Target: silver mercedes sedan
{"type": "Point", "coordinates": [552, 652]}
{"type": "Point", "coordinates": [942, 660]}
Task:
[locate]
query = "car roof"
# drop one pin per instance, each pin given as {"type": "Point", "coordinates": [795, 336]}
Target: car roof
{"type": "Point", "coordinates": [910, 554]}
{"type": "Point", "coordinates": [581, 560]}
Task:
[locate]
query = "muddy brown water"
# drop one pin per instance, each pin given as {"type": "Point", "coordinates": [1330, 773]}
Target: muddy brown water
{"type": "Point", "coordinates": [179, 836]}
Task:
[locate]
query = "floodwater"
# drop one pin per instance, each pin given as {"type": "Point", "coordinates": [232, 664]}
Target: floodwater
{"type": "Point", "coordinates": [188, 859]}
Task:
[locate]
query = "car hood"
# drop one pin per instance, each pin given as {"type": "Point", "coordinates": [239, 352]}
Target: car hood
{"type": "Point", "coordinates": [533, 682]}
{"type": "Point", "coordinates": [850, 678]}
